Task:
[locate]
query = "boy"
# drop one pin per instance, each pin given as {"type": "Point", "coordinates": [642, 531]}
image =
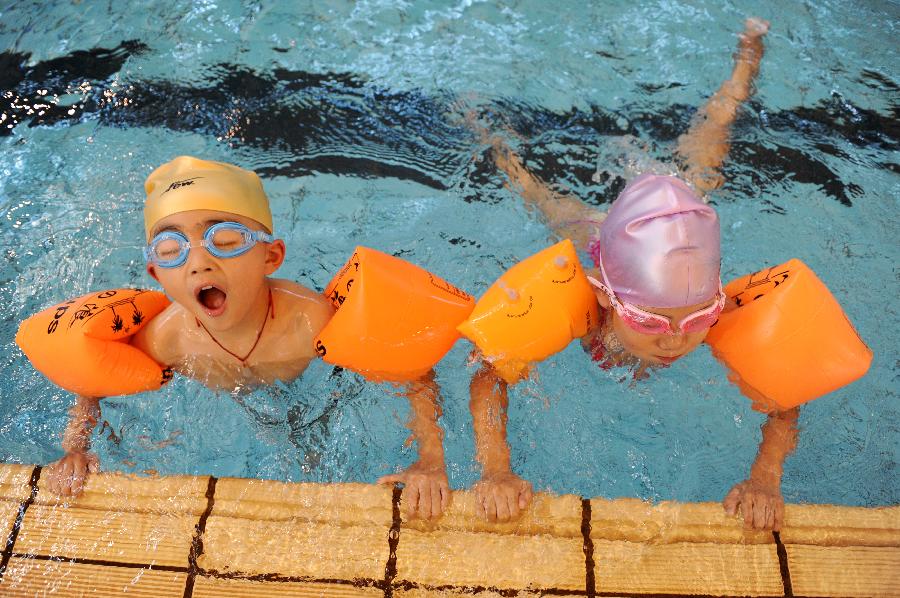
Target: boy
{"type": "Point", "coordinates": [210, 245]}
{"type": "Point", "coordinates": [657, 242]}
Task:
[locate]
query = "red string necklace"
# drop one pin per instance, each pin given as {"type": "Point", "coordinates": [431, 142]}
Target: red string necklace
{"type": "Point", "coordinates": [269, 309]}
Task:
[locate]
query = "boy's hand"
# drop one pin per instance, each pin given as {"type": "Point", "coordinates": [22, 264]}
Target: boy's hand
{"type": "Point", "coordinates": [425, 490]}
{"type": "Point", "coordinates": [760, 504]}
{"type": "Point", "coordinates": [66, 477]}
{"type": "Point", "coordinates": [502, 496]}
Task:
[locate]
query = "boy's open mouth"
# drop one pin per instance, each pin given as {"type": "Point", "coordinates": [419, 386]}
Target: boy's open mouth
{"type": "Point", "coordinates": [212, 298]}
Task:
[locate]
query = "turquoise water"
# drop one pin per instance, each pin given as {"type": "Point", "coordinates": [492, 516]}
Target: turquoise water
{"type": "Point", "coordinates": [352, 113]}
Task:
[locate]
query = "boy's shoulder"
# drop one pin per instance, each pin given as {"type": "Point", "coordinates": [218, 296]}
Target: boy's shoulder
{"type": "Point", "coordinates": [298, 302]}
{"type": "Point", "coordinates": [164, 337]}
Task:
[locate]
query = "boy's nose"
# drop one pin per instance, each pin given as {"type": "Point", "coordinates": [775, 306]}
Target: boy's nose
{"type": "Point", "coordinates": [199, 260]}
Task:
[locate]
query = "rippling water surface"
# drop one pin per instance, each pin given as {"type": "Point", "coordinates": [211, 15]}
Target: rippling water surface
{"type": "Point", "coordinates": [353, 113]}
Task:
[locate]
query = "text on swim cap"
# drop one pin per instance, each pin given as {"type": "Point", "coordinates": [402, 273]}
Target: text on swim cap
{"type": "Point", "coordinates": [182, 183]}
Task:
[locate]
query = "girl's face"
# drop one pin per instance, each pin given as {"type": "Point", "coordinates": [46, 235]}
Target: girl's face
{"type": "Point", "coordinates": [657, 348]}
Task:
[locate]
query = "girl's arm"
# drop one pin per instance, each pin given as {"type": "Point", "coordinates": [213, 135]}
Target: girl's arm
{"type": "Point", "coordinates": [759, 497]}
{"type": "Point", "coordinates": [501, 495]}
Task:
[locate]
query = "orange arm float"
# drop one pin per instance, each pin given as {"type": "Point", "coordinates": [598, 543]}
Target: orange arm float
{"type": "Point", "coordinates": [785, 338]}
{"type": "Point", "coordinates": [533, 311]}
{"type": "Point", "coordinates": [82, 344]}
{"type": "Point", "coordinates": [394, 320]}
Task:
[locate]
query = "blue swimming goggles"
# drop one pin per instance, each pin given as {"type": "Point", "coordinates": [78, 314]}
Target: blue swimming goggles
{"type": "Point", "coordinates": [169, 249]}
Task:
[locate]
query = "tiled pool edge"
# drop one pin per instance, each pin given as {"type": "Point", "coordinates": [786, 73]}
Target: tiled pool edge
{"type": "Point", "coordinates": [202, 536]}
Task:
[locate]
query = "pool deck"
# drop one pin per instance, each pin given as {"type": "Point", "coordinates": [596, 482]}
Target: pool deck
{"type": "Point", "coordinates": [185, 536]}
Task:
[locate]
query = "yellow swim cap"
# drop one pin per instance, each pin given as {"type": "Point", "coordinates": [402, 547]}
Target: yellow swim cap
{"type": "Point", "coordinates": [188, 183]}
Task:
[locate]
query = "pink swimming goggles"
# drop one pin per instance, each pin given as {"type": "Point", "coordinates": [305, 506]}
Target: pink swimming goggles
{"type": "Point", "coordinates": [648, 323]}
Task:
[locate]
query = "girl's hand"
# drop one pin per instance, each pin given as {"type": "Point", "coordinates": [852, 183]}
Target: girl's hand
{"type": "Point", "coordinates": [760, 504]}
{"type": "Point", "coordinates": [502, 496]}
{"type": "Point", "coordinates": [66, 477]}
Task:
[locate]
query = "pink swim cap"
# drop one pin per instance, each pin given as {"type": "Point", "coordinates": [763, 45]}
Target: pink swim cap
{"type": "Point", "coordinates": [660, 244]}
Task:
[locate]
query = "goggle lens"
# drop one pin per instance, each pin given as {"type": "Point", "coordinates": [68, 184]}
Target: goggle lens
{"type": "Point", "coordinates": [700, 322]}
{"type": "Point", "coordinates": [643, 324]}
{"type": "Point", "coordinates": [229, 241]}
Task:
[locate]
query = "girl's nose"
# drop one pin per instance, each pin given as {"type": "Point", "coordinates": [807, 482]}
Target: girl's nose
{"type": "Point", "coordinates": [672, 342]}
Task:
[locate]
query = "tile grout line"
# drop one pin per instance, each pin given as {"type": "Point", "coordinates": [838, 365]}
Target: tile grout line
{"type": "Point", "coordinates": [197, 540]}
{"type": "Point", "coordinates": [590, 583]}
{"type": "Point", "coordinates": [77, 560]}
{"type": "Point", "coordinates": [390, 568]}
{"type": "Point", "coordinates": [783, 566]}
{"type": "Point", "coordinates": [20, 517]}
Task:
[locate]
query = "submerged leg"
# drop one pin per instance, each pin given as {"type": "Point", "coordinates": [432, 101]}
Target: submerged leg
{"type": "Point", "coordinates": [567, 215]}
{"type": "Point", "coordinates": [704, 147]}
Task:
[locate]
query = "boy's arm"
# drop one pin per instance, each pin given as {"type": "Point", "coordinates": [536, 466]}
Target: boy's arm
{"type": "Point", "coordinates": [426, 489]}
{"type": "Point", "coordinates": [501, 495]}
{"type": "Point", "coordinates": [759, 497]}
{"type": "Point", "coordinates": [66, 477]}
{"type": "Point", "coordinates": [704, 147]}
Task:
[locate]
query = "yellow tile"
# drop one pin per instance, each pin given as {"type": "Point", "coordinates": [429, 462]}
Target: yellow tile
{"type": "Point", "coordinates": [558, 516]}
{"type": "Point", "coordinates": [687, 568]}
{"type": "Point", "coordinates": [294, 548]}
{"type": "Point", "coordinates": [858, 571]}
{"type": "Point", "coordinates": [150, 494]}
{"type": "Point", "coordinates": [323, 531]}
{"type": "Point", "coordinates": [31, 577]}
{"type": "Point", "coordinates": [490, 560]}
{"type": "Point", "coordinates": [118, 518]}
{"type": "Point", "coordinates": [338, 504]}
{"type": "Point", "coordinates": [209, 587]}
{"type": "Point", "coordinates": [542, 549]}
{"type": "Point", "coordinates": [14, 481]}
{"type": "Point", "coordinates": [634, 520]}
{"type": "Point", "coordinates": [8, 513]}
{"type": "Point", "coordinates": [109, 535]}
{"type": "Point", "coordinates": [829, 525]}
{"type": "Point", "coordinates": [14, 489]}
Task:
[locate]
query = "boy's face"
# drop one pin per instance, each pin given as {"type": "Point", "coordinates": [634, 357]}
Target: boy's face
{"type": "Point", "coordinates": [657, 348]}
{"type": "Point", "coordinates": [221, 292]}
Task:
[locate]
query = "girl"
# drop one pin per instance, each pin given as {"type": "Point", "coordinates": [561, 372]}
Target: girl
{"type": "Point", "coordinates": [657, 281]}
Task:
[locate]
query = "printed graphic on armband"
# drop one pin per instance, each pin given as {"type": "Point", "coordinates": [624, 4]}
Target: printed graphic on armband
{"type": "Point", "coordinates": [569, 279]}
{"type": "Point", "coordinates": [771, 278]}
{"type": "Point", "coordinates": [447, 287]}
{"type": "Point", "coordinates": [117, 323]}
{"type": "Point", "coordinates": [60, 312]}
{"type": "Point", "coordinates": [353, 262]}
{"type": "Point", "coordinates": [527, 309]}
{"type": "Point", "coordinates": [320, 349]}
{"type": "Point", "coordinates": [336, 298]}
{"type": "Point", "coordinates": [334, 295]}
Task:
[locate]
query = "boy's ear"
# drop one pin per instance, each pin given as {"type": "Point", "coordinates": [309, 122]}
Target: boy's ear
{"type": "Point", "coordinates": [152, 272]}
{"type": "Point", "coordinates": [275, 252]}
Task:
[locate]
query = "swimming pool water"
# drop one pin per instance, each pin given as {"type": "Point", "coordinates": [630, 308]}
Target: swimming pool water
{"type": "Point", "coordinates": [353, 113]}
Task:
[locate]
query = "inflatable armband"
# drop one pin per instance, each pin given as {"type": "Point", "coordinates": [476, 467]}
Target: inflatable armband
{"type": "Point", "coordinates": [82, 344]}
{"type": "Point", "coordinates": [394, 320]}
{"type": "Point", "coordinates": [533, 311]}
{"type": "Point", "coordinates": [785, 339]}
